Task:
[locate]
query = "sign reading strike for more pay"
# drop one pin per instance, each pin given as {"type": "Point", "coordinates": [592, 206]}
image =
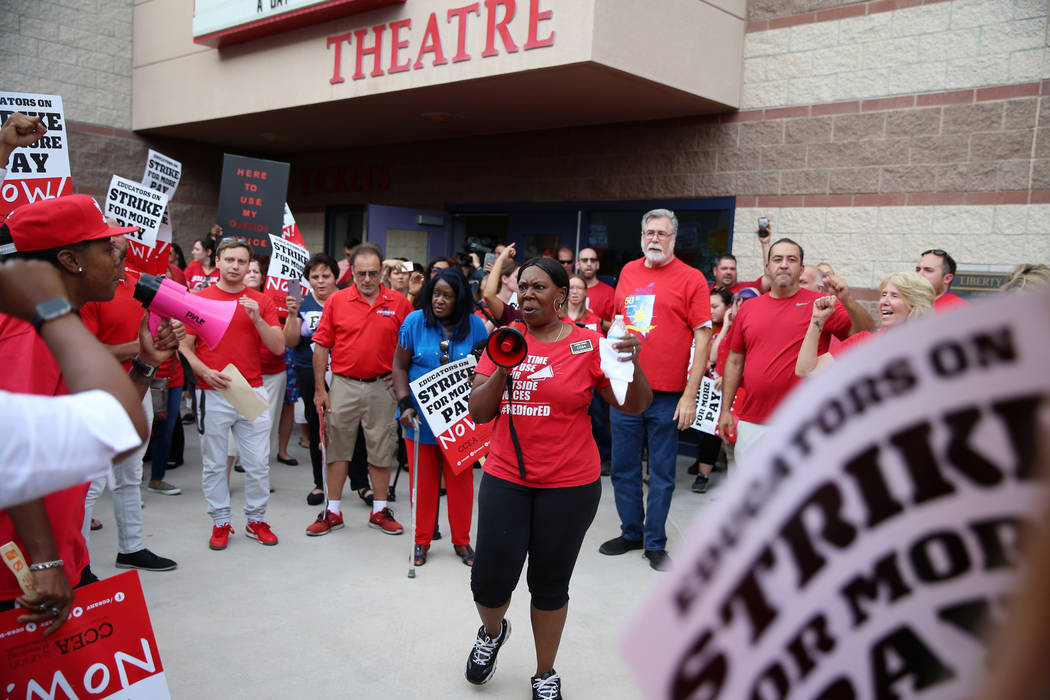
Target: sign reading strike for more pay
{"type": "Point", "coordinates": [252, 199]}
{"type": "Point", "coordinates": [162, 173]}
{"type": "Point", "coordinates": [442, 394]}
{"type": "Point", "coordinates": [105, 648]}
{"type": "Point", "coordinates": [287, 259]}
{"type": "Point", "coordinates": [132, 204]}
{"type": "Point", "coordinates": [708, 405]}
{"type": "Point", "coordinates": [40, 171]}
{"type": "Point", "coordinates": [865, 545]}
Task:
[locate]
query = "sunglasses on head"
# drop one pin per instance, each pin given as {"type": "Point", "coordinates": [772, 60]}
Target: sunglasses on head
{"type": "Point", "coordinates": [443, 345]}
{"type": "Point", "coordinates": [936, 251]}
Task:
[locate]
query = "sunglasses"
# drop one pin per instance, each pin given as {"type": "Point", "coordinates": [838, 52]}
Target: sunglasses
{"type": "Point", "coordinates": [565, 262]}
{"type": "Point", "coordinates": [936, 251]}
{"type": "Point", "coordinates": [444, 352]}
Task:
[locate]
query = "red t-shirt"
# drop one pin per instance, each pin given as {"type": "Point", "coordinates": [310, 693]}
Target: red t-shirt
{"type": "Point", "coordinates": [720, 367]}
{"type": "Point", "coordinates": [552, 390]}
{"type": "Point", "coordinates": [948, 301]}
{"type": "Point", "coordinates": [756, 285]}
{"type": "Point", "coordinates": [116, 321]}
{"type": "Point", "coordinates": [196, 280]}
{"type": "Point", "coordinates": [600, 300]}
{"type": "Point", "coordinates": [176, 274]}
{"type": "Point", "coordinates": [770, 331]}
{"type": "Point", "coordinates": [589, 319]}
{"type": "Point", "coordinates": [850, 342]}
{"type": "Point", "coordinates": [272, 364]}
{"type": "Point", "coordinates": [30, 368]}
{"type": "Point", "coordinates": [240, 345]}
{"type": "Point", "coordinates": [662, 306]}
{"type": "Point", "coordinates": [362, 337]}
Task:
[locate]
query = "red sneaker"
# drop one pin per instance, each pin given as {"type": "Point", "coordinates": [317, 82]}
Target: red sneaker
{"type": "Point", "coordinates": [220, 536]}
{"type": "Point", "coordinates": [259, 530]}
{"type": "Point", "coordinates": [326, 522]}
{"type": "Point", "coordinates": [384, 520]}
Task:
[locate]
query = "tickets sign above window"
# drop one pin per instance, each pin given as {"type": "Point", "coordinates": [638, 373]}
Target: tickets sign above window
{"type": "Point", "coordinates": [223, 22]}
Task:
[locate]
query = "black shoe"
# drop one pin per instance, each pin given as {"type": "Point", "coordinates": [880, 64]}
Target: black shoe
{"type": "Point", "coordinates": [481, 663]}
{"type": "Point", "coordinates": [547, 686]}
{"type": "Point", "coordinates": [619, 545]}
{"type": "Point", "coordinates": [437, 534]}
{"type": "Point", "coordinates": [238, 468]}
{"type": "Point", "coordinates": [700, 485]}
{"type": "Point", "coordinates": [189, 418]}
{"type": "Point", "coordinates": [145, 560]}
{"type": "Point", "coordinates": [291, 461]}
{"type": "Point", "coordinates": [694, 468]}
{"type": "Point", "coordinates": [314, 499]}
{"type": "Point", "coordinates": [659, 559]}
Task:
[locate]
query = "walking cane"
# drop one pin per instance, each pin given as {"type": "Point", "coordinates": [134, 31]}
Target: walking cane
{"type": "Point", "coordinates": [413, 476]}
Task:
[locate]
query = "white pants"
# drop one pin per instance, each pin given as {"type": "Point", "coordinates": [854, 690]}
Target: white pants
{"type": "Point", "coordinates": [274, 385]}
{"type": "Point", "coordinates": [747, 436]}
{"type": "Point", "coordinates": [127, 494]}
{"type": "Point", "coordinates": [252, 439]}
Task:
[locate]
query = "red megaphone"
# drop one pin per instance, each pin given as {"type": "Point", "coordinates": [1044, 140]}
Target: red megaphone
{"type": "Point", "coordinates": [507, 346]}
{"type": "Point", "coordinates": [208, 318]}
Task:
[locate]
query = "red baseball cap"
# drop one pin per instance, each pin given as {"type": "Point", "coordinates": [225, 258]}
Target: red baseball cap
{"type": "Point", "coordinates": [54, 223]}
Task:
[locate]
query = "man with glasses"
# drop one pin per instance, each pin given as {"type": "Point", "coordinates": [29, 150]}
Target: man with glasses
{"type": "Point", "coordinates": [358, 330]}
{"type": "Point", "coordinates": [254, 321]}
{"type": "Point", "coordinates": [599, 294]}
{"type": "Point", "coordinates": [667, 304]}
{"type": "Point", "coordinates": [939, 268]}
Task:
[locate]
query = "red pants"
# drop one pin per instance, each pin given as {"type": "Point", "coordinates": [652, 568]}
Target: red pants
{"type": "Point", "coordinates": [459, 489]}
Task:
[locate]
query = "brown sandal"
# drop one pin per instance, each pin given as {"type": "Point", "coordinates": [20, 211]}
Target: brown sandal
{"type": "Point", "coordinates": [465, 553]}
{"type": "Point", "coordinates": [421, 554]}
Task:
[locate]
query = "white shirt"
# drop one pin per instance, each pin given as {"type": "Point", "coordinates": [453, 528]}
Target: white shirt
{"type": "Point", "coordinates": [49, 443]}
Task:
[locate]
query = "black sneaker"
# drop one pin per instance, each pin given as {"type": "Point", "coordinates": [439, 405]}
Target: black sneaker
{"type": "Point", "coordinates": [619, 545]}
{"type": "Point", "coordinates": [700, 485]}
{"type": "Point", "coordinates": [694, 468]}
{"type": "Point", "coordinates": [145, 560]}
{"type": "Point", "coordinates": [659, 559]}
{"type": "Point", "coordinates": [481, 663]}
{"type": "Point", "coordinates": [547, 686]}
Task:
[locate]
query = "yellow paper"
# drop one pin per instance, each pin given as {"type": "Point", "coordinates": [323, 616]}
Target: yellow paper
{"type": "Point", "coordinates": [242, 395]}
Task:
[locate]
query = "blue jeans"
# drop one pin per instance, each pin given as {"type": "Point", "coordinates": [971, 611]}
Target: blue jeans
{"type": "Point", "coordinates": [162, 430]}
{"type": "Point", "coordinates": [628, 432]}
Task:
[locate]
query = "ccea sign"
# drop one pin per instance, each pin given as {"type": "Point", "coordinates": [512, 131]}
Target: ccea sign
{"type": "Point", "coordinates": [402, 45]}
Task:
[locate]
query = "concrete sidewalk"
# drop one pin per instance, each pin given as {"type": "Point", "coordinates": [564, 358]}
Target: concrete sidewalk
{"type": "Point", "coordinates": [338, 616]}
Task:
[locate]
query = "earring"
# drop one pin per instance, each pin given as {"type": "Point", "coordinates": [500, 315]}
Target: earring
{"type": "Point", "coordinates": [80, 269]}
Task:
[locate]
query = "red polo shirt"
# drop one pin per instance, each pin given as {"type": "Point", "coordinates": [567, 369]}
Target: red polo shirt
{"type": "Point", "coordinates": [361, 336]}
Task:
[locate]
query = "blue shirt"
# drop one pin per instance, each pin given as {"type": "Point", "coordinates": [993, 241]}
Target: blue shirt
{"type": "Point", "coordinates": [425, 345]}
{"type": "Point", "coordinates": [310, 315]}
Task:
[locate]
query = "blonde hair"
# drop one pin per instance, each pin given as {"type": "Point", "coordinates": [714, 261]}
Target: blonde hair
{"type": "Point", "coordinates": [916, 290]}
{"type": "Point", "coordinates": [1027, 276]}
{"type": "Point", "coordinates": [565, 306]}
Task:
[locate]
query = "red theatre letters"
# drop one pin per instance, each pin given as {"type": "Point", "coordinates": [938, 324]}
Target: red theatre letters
{"type": "Point", "coordinates": [398, 36]}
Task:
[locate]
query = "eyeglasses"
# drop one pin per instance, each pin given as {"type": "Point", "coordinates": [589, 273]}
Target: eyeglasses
{"type": "Point", "coordinates": [366, 273]}
{"type": "Point", "coordinates": [662, 235]}
{"type": "Point", "coordinates": [444, 352]}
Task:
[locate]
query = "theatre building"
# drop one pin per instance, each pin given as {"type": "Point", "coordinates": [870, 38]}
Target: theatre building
{"type": "Point", "coordinates": [868, 131]}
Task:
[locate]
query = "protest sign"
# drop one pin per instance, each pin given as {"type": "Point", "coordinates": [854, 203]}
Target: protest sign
{"type": "Point", "coordinates": [162, 173]}
{"type": "Point", "coordinates": [105, 648]}
{"type": "Point", "coordinates": [40, 171]}
{"type": "Point", "coordinates": [290, 232]}
{"type": "Point", "coordinates": [864, 544]}
{"type": "Point", "coordinates": [252, 199]}
{"type": "Point", "coordinates": [708, 404]}
{"type": "Point", "coordinates": [132, 204]}
{"type": "Point", "coordinates": [442, 394]}
{"type": "Point", "coordinates": [287, 261]}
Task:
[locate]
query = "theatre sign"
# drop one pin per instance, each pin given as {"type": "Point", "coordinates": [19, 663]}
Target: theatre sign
{"type": "Point", "coordinates": [380, 71]}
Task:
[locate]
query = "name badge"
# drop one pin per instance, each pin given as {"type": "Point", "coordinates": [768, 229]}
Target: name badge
{"type": "Point", "coordinates": [580, 347]}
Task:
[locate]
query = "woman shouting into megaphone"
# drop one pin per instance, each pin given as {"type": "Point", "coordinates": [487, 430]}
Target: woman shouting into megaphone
{"type": "Point", "coordinates": [537, 498]}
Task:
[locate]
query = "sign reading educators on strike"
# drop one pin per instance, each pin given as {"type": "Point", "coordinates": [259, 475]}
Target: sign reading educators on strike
{"type": "Point", "coordinates": [442, 394]}
{"type": "Point", "coordinates": [867, 542]}
{"type": "Point", "coordinates": [132, 204]}
{"type": "Point", "coordinates": [162, 174]}
{"type": "Point", "coordinates": [105, 649]}
{"type": "Point", "coordinates": [40, 171]}
{"type": "Point", "coordinates": [251, 199]}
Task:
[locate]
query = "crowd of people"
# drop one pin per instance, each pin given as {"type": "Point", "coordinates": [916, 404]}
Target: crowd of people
{"type": "Point", "coordinates": [349, 342]}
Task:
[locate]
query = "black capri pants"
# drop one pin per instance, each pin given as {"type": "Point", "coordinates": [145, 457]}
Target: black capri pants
{"type": "Point", "coordinates": [546, 524]}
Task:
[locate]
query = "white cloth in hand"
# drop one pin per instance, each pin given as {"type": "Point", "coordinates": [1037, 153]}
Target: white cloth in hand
{"type": "Point", "coordinates": [620, 373]}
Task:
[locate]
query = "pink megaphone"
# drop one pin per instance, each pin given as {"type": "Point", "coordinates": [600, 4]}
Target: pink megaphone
{"type": "Point", "coordinates": [208, 318]}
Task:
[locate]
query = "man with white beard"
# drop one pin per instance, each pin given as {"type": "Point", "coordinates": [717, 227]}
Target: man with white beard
{"type": "Point", "coordinates": [667, 304]}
